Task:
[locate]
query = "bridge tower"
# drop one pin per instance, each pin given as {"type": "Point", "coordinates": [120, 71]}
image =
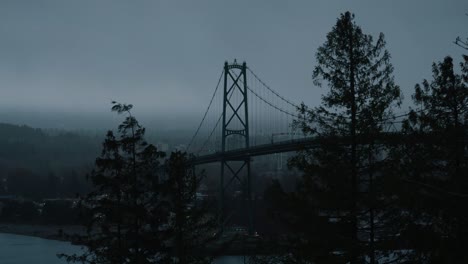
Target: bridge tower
{"type": "Point", "coordinates": [235, 134]}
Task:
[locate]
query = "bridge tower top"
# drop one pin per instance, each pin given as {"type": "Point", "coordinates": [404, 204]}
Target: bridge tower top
{"type": "Point", "coordinates": [235, 107]}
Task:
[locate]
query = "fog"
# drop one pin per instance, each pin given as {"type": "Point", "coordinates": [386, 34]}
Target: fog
{"type": "Point", "coordinates": [62, 63]}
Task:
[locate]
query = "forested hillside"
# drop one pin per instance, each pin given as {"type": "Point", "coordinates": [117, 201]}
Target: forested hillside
{"type": "Point", "coordinates": [52, 164]}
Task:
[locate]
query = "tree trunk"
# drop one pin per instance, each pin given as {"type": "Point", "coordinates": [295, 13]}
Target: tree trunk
{"type": "Point", "coordinates": [354, 229]}
{"type": "Point", "coordinates": [371, 210]}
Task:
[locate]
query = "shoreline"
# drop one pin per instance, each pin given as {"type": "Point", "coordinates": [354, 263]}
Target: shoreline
{"type": "Point", "coordinates": [64, 233]}
{"type": "Point", "coordinates": [51, 232]}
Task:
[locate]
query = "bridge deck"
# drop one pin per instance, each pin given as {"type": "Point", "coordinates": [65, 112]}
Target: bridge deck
{"type": "Point", "coordinates": [265, 149]}
{"type": "Point", "coordinates": [287, 146]}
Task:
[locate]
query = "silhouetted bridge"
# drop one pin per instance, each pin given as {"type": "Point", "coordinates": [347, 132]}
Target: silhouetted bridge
{"type": "Point", "coordinates": [235, 135]}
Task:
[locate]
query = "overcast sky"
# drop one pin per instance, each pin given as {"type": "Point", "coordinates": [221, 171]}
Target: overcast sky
{"type": "Point", "coordinates": [166, 56]}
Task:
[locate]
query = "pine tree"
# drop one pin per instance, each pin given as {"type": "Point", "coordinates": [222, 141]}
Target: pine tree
{"type": "Point", "coordinates": [191, 225]}
{"type": "Point", "coordinates": [128, 214]}
{"type": "Point", "coordinates": [435, 168]}
{"type": "Point", "coordinates": [339, 192]}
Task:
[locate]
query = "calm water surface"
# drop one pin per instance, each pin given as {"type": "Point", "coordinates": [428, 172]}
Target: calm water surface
{"type": "Point", "coordinates": [17, 249]}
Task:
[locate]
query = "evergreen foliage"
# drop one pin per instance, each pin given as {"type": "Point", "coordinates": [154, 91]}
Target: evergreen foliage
{"type": "Point", "coordinates": [191, 226]}
{"type": "Point", "coordinates": [128, 215]}
{"type": "Point", "coordinates": [336, 209]}
{"type": "Point", "coordinates": [434, 166]}
{"type": "Point", "coordinates": [143, 210]}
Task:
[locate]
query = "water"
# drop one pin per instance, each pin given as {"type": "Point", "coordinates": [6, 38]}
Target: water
{"type": "Point", "coordinates": [17, 249]}
{"type": "Point", "coordinates": [229, 260]}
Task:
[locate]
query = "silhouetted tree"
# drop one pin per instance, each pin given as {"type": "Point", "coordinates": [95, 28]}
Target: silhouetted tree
{"type": "Point", "coordinates": [73, 186]}
{"type": "Point", "coordinates": [59, 211]}
{"type": "Point", "coordinates": [25, 183]}
{"type": "Point", "coordinates": [53, 185]}
{"type": "Point", "coordinates": [19, 211]}
{"type": "Point", "coordinates": [191, 225]}
{"type": "Point", "coordinates": [129, 216]}
{"type": "Point", "coordinates": [334, 214]}
{"type": "Point", "coordinates": [434, 166]}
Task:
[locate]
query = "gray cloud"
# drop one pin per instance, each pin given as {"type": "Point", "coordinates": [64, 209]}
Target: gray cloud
{"type": "Point", "coordinates": [165, 56]}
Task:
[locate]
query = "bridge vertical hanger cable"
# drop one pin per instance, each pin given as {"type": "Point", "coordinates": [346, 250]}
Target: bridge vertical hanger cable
{"type": "Point", "coordinates": [271, 98]}
{"type": "Point", "coordinates": [273, 122]}
{"type": "Point", "coordinates": [270, 112]}
{"type": "Point", "coordinates": [280, 120]}
{"type": "Point", "coordinates": [262, 114]}
{"type": "Point", "coordinates": [262, 96]}
{"type": "Point", "coordinates": [268, 102]}
{"type": "Point", "coordinates": [217, 137]}
{"type": "Point", "coordinates": [273, 116]}
{"type": "Point", "coordinates": [259, 117]}
{"type": "Point", "coordinates": [277, 122]}
{"type": "Point", "coordinates": [252, 118]}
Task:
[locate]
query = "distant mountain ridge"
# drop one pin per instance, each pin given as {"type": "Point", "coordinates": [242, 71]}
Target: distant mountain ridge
{"type": "Point", "coordinates": [34, 149]}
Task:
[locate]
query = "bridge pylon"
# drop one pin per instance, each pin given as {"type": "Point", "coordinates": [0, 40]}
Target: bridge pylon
{"type": "Point", "coordinates": [235, 134]}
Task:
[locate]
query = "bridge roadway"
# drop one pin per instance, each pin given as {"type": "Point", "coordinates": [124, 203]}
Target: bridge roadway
{"type": "Point", "coordinates": [291, 145]}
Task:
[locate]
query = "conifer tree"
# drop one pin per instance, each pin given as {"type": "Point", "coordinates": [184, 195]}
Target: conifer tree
{"type": "Point", "coordinates": [127, 211]}
{"type": "Point", "coordinates": [191, 225]}
{"type": "Point", "coordinates": [339, 194]}
{"type": "Point", "coordinates": [434, 166]}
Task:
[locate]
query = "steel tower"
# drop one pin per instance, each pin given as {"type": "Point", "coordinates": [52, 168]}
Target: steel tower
{"type": "Point", "coordinates": [235, 134]}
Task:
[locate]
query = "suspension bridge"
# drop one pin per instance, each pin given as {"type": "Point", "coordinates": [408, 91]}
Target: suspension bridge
{"type": "Point", "coordinates": [244, 119]}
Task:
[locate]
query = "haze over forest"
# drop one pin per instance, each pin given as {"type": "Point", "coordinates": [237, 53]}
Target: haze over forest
{"type": "Point", "coordinates": [62, 63]}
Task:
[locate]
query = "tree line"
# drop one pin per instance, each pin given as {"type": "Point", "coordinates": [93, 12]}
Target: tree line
{"type": "Point", "coordinates": [35, 164]}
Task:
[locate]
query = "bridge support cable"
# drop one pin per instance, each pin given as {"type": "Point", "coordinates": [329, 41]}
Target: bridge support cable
{"type": "Point", "coordinates": [278, 121]}
{"type": "Point", "coordinates": [271, 123]}
{"type": "Point", "coordinates": [282, 103]}
{"type": "Point", "coordinates": [205, 114]}
{"type": "Point", "coordinates": [390, 121]}
{"type": "Point", "coordinates": [216, 130]}
{"type": "Point", "coordinates": [273, 91]}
